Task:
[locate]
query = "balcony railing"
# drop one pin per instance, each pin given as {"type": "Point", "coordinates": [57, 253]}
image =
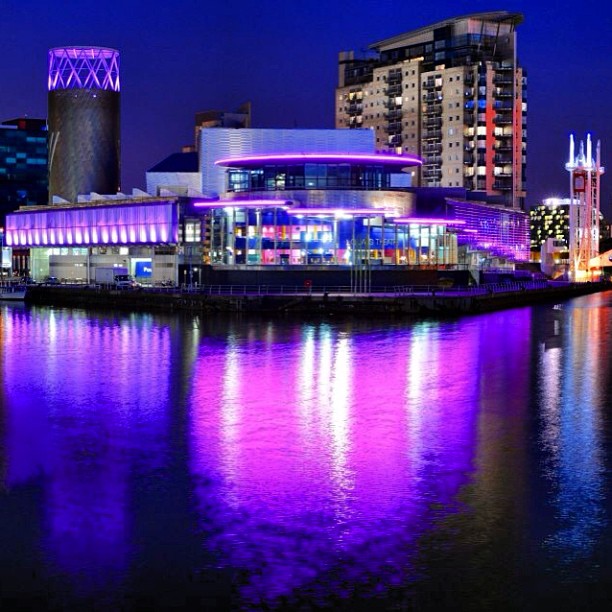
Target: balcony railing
{"type": "Point", "coordinates": [393, 90]}
{"type": "Point", "coordinates": [394, 115]}
{"type": "Point", "coordinates": [432, 134]}
{"type": "Point", "coordinates": [394, 128]}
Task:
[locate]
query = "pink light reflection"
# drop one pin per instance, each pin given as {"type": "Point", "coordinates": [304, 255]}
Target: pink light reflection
{"type": "Point", "coordinates": [332, 421]}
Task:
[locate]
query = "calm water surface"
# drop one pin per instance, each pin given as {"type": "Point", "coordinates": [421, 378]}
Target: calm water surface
{"type": "Point", "coordinates": [159, 462]}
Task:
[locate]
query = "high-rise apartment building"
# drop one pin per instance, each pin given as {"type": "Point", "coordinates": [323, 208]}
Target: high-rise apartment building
{"type": "Point", "coordinates": [454, 94]}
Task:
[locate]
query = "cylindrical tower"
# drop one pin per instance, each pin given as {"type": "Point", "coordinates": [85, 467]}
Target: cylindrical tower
{"type": "Point", "coordinates": [84, 124]}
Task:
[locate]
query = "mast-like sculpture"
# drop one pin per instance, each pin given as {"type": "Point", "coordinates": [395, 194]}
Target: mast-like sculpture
{"type": "Point", "coordinates": [585, 173]}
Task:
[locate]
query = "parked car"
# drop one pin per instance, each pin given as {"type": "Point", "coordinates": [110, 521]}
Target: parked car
{"type": "Point", "coordinates": [51, 280]}
{"type": "Point", "coordinates": [125, 281]}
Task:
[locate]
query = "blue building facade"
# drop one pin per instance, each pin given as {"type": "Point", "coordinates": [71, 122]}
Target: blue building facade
{"type": "Point", "coordinates": [23, 164]}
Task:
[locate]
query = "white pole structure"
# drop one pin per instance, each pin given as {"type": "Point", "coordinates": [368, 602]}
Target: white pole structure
{"type": "Point", "coordinates": [585, 173]}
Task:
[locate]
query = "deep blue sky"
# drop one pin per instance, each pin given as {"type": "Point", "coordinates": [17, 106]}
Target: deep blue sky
{"type": "Point", "coordinates": [183, 56]}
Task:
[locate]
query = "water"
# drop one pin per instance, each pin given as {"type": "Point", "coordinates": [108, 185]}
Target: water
{"type": "Point", "coordinates": [168, 462]}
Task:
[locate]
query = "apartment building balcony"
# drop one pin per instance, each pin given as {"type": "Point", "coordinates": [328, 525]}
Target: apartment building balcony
{"type": "Point", "coordinates": [468, 159]}
{"type": "Point", "coordinates": [502, 159]}
{"type": "Point", "coordinates": [503, 147]}
{"type": "Point", "coordinates": [393, 91]}
{"type": "Point", "coordinates": [502, 186]}
{"type": "Point", "coordinates": [393, 78]}
{"type": "Point", "coordinates": [394, 115]}
{"type": "Point", "coordinates": [432, 160]}
{"type": "Point", "coordinates": [432, 174]}
{"type": "Point", "coordinates": [432, 134]}
{"type": "Point", "coordinates": [503, 105]}
{"type": "Point", "coordinates": [503, 93]}
{"type": "Point", "coordinates": [433, 109]}
{"type": "Point", "coordinates": [432, 123]}
{"type": "Point", "coordinates": [395, 140]}
{"type": "Point", "coordinates": [432, 97]}
{"type": "Point", "coordinates": [392, 104]}
{"type": "Point", "coordinates": [355, 109]}
{"type": "Point", "coordinates": [394, 128]}
{"type": "Point", "coordinates": [502, 120]}
{"type": "Point", "coordinates": [502, 79]}
{"type": "Point", "coordinates": [434, 147]}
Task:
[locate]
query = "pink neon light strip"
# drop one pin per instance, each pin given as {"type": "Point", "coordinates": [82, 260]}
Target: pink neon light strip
{"type": "Point", "coordinates": [343, 211]}
{"type": "Point", "coordinates": [426, 221]}
{"type": "Point", "coordinates": [397, 160]}
{"type": "Point", "coordinates": [243, 204]}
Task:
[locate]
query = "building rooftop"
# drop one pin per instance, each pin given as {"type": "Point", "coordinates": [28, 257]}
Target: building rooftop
{"type": "Point", "coordinates": [26, 123]}
{"type": "Point", "coordinates": [404, 39]}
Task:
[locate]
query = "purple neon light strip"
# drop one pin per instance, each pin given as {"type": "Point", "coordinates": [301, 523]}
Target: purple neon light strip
{"type": "Point", "coordinates": [396, 160]}
{"type": "Point", "coordinates": [374, 212]}
{"type": "Point", "coordinates": [243, 204]}
{"type": "Point", "coordinates": [429, 221]}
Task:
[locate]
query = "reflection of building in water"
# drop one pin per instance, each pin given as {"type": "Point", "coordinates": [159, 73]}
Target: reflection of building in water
{"type": "Point", "coordinates": [111, 412]}
{"type": "Point", "coordinates": [572, 405]}
{"type": "Point", "coordinates": [334, 455]}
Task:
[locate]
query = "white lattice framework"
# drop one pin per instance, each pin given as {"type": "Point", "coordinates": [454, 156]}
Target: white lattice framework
{"type": "Point", "coordinates": [83, 68]}
{"type": "Point", "coordinates": [585, 174]}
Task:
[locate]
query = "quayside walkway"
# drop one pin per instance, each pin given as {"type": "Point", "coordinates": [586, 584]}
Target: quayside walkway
{"type": "Point", "coordinates": [309, 300]}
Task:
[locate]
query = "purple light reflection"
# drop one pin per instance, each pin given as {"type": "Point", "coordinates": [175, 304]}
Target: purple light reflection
{"type": "Point", "coordinates": [304, 430]}
{"type": "Point", "coordinates": [72, 426]}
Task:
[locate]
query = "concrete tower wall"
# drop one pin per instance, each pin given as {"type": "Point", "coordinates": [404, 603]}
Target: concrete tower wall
{"type": "Point", "coordinates": [84, 152]}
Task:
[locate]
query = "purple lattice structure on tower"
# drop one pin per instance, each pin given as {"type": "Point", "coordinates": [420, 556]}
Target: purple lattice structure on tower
{"type": "Point", "coordinates": [84, 122]}
{"type": "Point", "coordinates": [83, 68]}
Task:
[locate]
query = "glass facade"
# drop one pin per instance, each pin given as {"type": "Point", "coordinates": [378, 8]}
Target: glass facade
{"type": "Point", "coordinates": [23, 165]}
{"type": "Point", "coordinates": [311, 176]}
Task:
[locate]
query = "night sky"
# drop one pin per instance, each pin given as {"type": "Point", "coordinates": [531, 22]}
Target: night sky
{"type": "Point", "coordinates": [185, 56]}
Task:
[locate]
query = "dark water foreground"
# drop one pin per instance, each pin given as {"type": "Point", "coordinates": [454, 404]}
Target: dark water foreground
{"type": "Point", "coordinates": [190, 462]}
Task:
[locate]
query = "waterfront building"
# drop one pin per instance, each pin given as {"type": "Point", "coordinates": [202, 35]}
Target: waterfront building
{"type": "Point", "coordinates": [84, 122]}
{"type": "Point", "coordinates": [453, 93]}
{"type": "Point", "coordinates": [23, 164]}
{"type": "Point", "coordinates": [255, 200]}
{"type": "Point", "coordinates": [549, 220]}
{"type": "Point", "coordinates": [23, 179]}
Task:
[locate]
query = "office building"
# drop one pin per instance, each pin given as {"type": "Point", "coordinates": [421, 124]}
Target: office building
{"type": "Point", "coordinates": [23, 164]}
{"type": "Point", "coordinates": [84, 127]}
{"type": "Point", "coordinates": [549, 220]}
{"type": "Point", "coordinates": [454, 94]}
